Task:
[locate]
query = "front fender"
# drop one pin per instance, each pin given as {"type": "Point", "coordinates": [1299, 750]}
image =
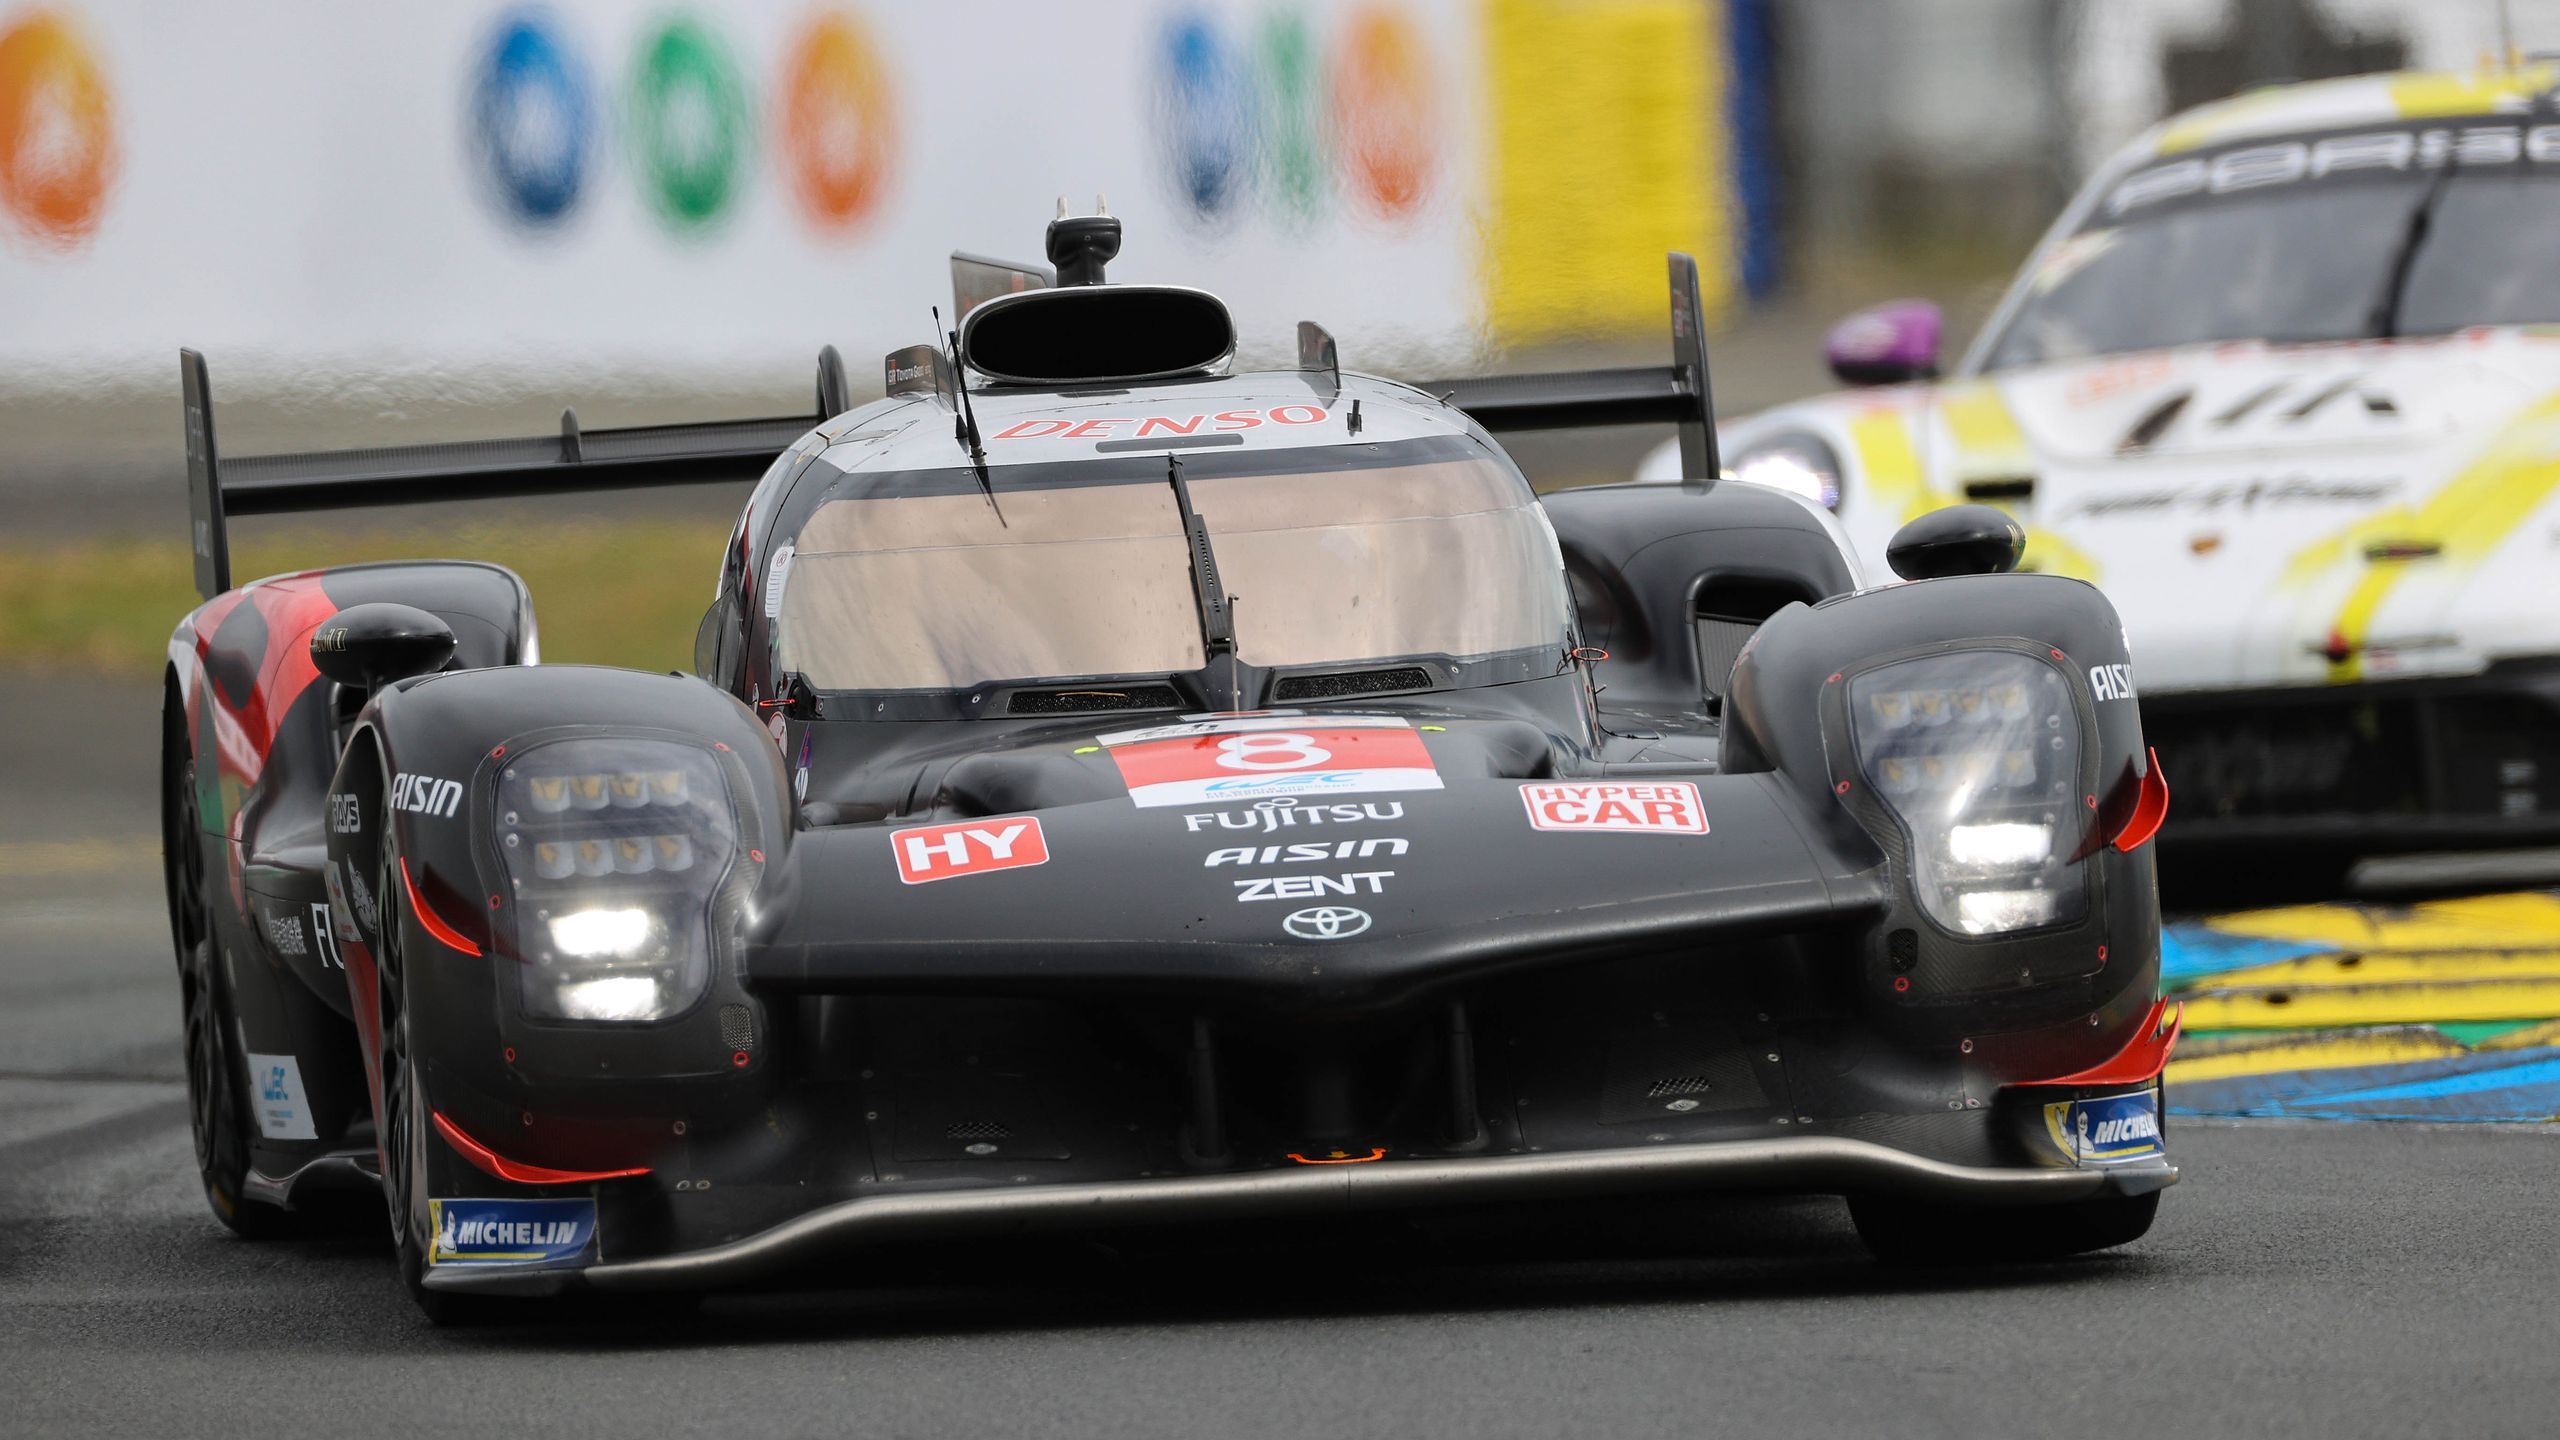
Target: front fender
{"type": "Point", "coordinates": [416, 809]}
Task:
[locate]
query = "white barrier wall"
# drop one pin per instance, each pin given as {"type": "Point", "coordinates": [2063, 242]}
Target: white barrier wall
{"type": "Point", "coordinates": [649, 192]}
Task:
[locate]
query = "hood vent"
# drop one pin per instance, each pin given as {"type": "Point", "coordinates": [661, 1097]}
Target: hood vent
{"type": "Point", "coordinates": [1351, 682]}
{"type": "Point", "coordinates": [1089, 701]}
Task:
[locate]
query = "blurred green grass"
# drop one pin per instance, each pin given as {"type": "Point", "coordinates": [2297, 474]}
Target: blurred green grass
{"type": "Point", "coordinates": [626, 592]}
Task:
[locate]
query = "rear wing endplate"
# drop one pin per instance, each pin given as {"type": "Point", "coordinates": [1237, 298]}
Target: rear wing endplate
{"type": "Point", "coordinates": [220, 486]}
{"type": "Point", "coordinates": [1678, 393]}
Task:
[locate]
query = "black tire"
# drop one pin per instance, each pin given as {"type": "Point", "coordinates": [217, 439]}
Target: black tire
{"type": "Point", "coordinates": [403, 1124]}
{"type": "Point", "coordinates": [1904, 1232]}
{"type": "Point", "coordinates": [217, 1104]}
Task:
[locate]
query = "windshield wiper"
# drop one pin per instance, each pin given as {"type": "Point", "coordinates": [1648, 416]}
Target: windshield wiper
{"type": "Point", "coordinates": [1217, 611]}
{"type": "Point", "coordinates": [2384, 319]}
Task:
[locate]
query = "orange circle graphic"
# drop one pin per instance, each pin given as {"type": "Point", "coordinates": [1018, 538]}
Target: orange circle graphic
{"type": "Point", "coordinates": [1385, 114]}
{"type": "Point", "coordinates": [838, 127]}
{"type": "Point", "coordinates": [57, 133]}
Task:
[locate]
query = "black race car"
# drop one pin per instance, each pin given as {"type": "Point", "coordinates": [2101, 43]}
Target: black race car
{"type": "Point", "coordinates": [1116, 791]}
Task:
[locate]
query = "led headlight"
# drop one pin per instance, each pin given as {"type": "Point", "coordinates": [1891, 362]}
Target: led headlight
{"type": "Point", "coordinates": [617, 851]}
{"type": "Point", "coordinates": [1977, 754]}
{"type": "Point", "coordinates": [1796, 461]}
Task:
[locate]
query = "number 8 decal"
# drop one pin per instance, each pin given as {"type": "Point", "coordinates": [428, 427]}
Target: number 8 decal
{"type": "Point", "coordinates": [1271, 750]}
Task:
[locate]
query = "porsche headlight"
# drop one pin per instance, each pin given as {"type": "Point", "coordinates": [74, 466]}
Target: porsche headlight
{"type": "Point", "coordinates": [1797, 462]}
{"type": "Point", "coordinates": [617, 851]}
{"type": "Point", "coordinates": [1978, 754]}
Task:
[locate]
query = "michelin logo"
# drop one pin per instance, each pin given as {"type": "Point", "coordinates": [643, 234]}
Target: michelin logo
{"type": "Point", "coordinates": [2106, 1131]}
{"type": "Point", "coordinates": [510, 1232]}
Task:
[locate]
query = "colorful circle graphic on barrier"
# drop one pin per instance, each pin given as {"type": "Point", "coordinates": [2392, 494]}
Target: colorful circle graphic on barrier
{"type": "Point", "coordinates": [1203, 122]}
{"type": "Point", "coordinates": [1293, 143]}
{"type": "Point", "coordinates": [532, 119]}
{"type": "Point", "coordinates": [835, 123]}
{"type": "Point", "coordinates": [57, 131]}
{"type": "Point", "coordinates": [688, 114]}
{"type": "Point", "coordinates": [1294, 120]}
{"type": "Point", "coordinates": [1385, 114]}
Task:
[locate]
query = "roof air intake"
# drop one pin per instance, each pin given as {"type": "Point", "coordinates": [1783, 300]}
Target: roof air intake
{"type": "Point", "coordinates": [1086, 332]}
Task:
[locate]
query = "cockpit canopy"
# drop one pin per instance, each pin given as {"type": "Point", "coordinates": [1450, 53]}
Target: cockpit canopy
{"type": "Point", "coordinates": [1332, 556]}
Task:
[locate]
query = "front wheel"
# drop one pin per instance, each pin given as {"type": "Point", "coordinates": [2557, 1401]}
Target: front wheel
{"type": "Point", "coordinates": [404, 1127]}
{"type": "Point", "coordinates": [1904, 1232]}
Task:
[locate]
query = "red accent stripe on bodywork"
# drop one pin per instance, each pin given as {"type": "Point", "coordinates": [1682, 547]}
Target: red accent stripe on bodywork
{"type": "Point", "coordinates": [495, 1164]}
{"type": "Point", "coordinates": [2142, 1058]}
{"type": "Point", "coordinates": [435, 924]}
{"type": "Point", "coordinates": [2150, 807]}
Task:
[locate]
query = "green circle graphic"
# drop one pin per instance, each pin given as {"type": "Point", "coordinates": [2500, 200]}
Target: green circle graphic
{"type": "Point", "coordinates": [689, 122]}
{"type": "Point", "coordinates": [1293, 160]}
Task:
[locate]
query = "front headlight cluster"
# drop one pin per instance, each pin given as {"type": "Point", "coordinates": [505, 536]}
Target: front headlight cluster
{"type": "Point", "coordinates": [616, 850]}
{"type": "Point", "coordinates": [1978, 755]}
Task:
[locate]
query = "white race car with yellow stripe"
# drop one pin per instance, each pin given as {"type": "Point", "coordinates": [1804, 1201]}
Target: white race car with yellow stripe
{"type": "Point", "coordinates": [2285, 380]}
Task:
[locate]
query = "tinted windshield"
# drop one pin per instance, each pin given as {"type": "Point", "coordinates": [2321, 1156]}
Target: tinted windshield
{"type": "Point", "coordinates": [2301, 240]}
{"type": "Point", "coordinates": [1087, 576]}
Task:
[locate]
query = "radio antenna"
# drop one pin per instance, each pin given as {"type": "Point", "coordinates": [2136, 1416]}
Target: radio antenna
{"type": "Point", "coordinates": [964, 426]}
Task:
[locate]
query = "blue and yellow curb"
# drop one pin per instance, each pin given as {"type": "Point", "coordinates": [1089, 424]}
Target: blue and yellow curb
{"type": "Point", "coordinates": [2447, 1010]}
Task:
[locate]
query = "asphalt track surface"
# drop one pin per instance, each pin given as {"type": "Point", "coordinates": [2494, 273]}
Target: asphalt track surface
{"type": "Point", "coordinates": [2308, 1278]}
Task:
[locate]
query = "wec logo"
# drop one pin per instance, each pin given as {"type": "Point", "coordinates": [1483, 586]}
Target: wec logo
{"type": "Point", "coordinates": [426, 795]}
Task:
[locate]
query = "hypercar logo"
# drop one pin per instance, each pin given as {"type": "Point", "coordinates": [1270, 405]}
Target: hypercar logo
{"type": "Point", "coordinates": [970, 847]}
{"type": "Point", "coordinates": [1326, 922]}
{"type": "Point", "coordinates": [1668, 807]}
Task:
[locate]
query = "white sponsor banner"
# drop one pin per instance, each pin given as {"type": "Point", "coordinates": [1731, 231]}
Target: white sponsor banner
{"type": "Point", "coordinates": [612, 190]}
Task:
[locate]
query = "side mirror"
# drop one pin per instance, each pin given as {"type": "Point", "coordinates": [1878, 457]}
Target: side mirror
{"type": "Point", "coordinates": [1886, 345]}
{"type": "Point", "coordinates": [365, 647]}
{"type": "Point", "coordinates": [1958, 540]}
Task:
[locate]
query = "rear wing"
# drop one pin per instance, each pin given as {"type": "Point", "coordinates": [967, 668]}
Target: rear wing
{"type": "Point", "coordinates": [578, 459]}
{"type": "Point", "coordinates": [220, 486]}
{"type": "Point", "coordinates": [1678, 393]}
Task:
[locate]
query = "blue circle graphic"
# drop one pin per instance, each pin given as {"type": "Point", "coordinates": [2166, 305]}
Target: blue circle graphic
{"type": "Point", "coordinates": [532, 118]}
{"type": "Point", "coordinates": [1203, 120]}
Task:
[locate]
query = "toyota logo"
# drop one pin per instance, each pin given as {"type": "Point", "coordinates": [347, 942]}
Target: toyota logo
{"type": "Point", "coordinates": [1327, 922]}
